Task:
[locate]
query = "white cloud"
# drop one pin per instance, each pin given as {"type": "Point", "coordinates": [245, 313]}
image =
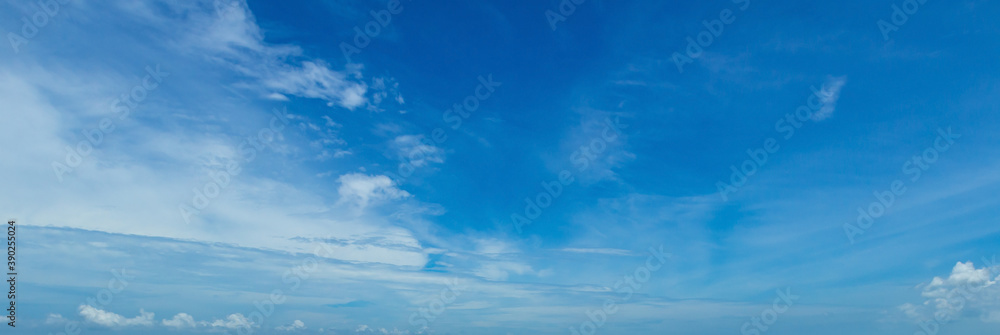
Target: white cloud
{"type": "Point", "coordinates": [363, 189]}
{"type": "Point", "coordinates": [494, 247]}
{"type": "Point", "coordinates": [341, 153]}
{"type": "Point", "coordinates": [499, 271]}
{"type": "Point", "coordinates": [416, 150]}
{"type": "Point", "coordinates": [277, 97]}
{"type": "Point", "coordinates": [109, 319]}
{"type": "Point", "coordinates": [329, 142]}
{"type": "Point", "coordinates": [828, 96]}
{"type": "Point", "coordinates": [317, 80]}
{"type": "Point", "coordinates": [233, 321]}
{"type": "Point", "coordinates": [595, 148]}
{"type": "Point", "coordinates": [330, 123]}
{"type": "Point", "coordinates": [233, 35]}
{"type": "Point", "coordinates": [296, 325]}
{"type": "Point", "coordinates": [604, 251]}
{"type": "Point", "coordinates": [965, 289]}
{"type": "Point", "coordinates": [384, 89]}
{"type": "Point", "coordinates": [55, 319]}
{"type": "Point", "coordinates": [181, 320]}
{"type": "Point", "coordinates": [366, 329]}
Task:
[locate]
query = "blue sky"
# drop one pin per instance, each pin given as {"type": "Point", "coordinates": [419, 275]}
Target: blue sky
{"type": "Point", "coordinates": [503, 167]}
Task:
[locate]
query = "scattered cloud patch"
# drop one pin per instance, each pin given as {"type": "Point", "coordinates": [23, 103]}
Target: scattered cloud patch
{"type": "Point", "coordinates": [296, 325]}
{"type": "Point", "coordinates": [181, 320]}
{"type": "Point", "coordinates": [276, 97]}
{"type": "Point", "coordinates": [417, 151]}
{"type": "Point", "coordinates": [233, 321]}
{"type": "Point", "coordinates": [355, 303]}
{"type": "Point", "coordinates": [317, 80]}
{"type": "Point", "coordinates": [494, 247]}
{"type": "Point", "coordinates": [109, 319]}
{"type": "Point", "coordinates": [500, 271]}
{"type": "Point", "coordinates": [966, 289]}
{"type": "Point", "coordinates": [384, 89]}
{"type": "Point", "coordinates": [828, 97]}
{"type": "Point", "coordinates": [362, 189]}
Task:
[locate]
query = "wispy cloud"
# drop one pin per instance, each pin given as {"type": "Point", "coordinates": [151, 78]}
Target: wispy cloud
{"type": "Point", "coordinates": [602, 251]}
{"type": "Point", "coordinates": [181, 320]}
{"type": "Point", "coordinates": [109, 319]}
{"type": "Point", "coordinates": [362, 190]}
{"type": "Point", "coordinates": [295, 325]}
{"type": "Point", "coordinates": [828, 96]}
{"type": "Point", "coordinates": [966, 289]}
